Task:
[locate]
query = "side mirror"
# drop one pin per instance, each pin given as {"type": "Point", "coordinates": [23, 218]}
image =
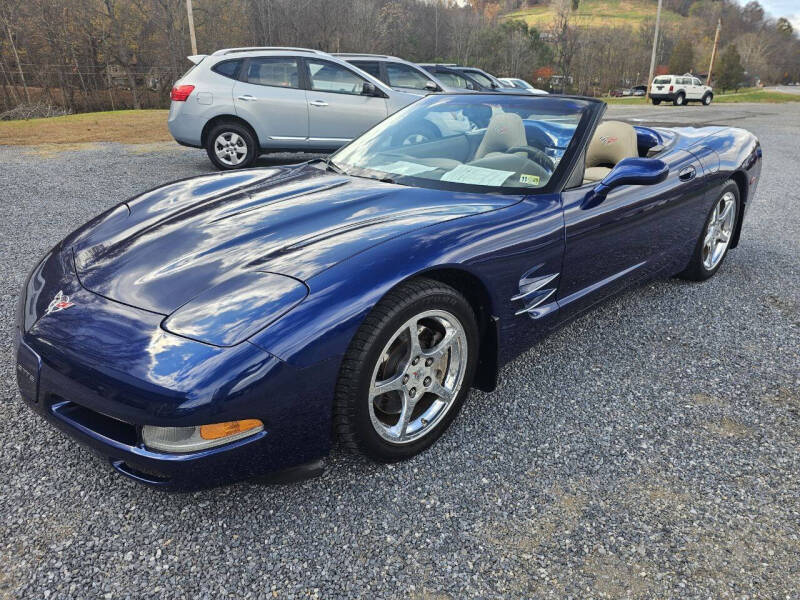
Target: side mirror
{"type": "Point", "coordinates": [369, 89]}
{"type": "Point", "coordinates": [431, 86]}
{"type": "Point", "coordinates": [628, 171]}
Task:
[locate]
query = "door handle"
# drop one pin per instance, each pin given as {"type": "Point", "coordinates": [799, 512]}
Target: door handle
{"type": "Point", "coordinates": [687, 173]}
{"type": "Point", "coordinates": [318, 103]}
{"type": "Point", "coordinates": [246, 97]}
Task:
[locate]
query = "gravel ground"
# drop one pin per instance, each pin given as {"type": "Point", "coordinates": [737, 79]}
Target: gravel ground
{"type": "Point", "coordinates": [649, 449]}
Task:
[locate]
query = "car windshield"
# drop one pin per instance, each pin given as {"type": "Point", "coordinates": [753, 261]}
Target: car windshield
{"type": "Point", "coordinates": [469, 142]}
{"type": "Point", "coordinates": [481, 78]}
{"type": "Point", "coordinates": [455, 80]}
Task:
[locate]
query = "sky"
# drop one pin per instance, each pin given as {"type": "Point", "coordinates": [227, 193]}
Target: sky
{"type": "Point", "coordinates": [781, 8]}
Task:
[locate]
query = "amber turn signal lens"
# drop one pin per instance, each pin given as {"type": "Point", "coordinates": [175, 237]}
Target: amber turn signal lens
{"type": "Point", "coordinates": [221, 430]}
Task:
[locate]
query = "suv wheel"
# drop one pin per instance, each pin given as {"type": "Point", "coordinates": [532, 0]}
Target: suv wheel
{"type": "Point", "coordinates": [707, 99]}
{"type": "Point", "coordinates": [231, 146]}
{"type": "Point", "coordinates": [680, 100]}
{"type": "Point", "coordinates": [656, 101]}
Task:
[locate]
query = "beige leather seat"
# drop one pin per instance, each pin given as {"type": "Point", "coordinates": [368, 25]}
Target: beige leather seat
{"type": "Point", "coordinates": [612, 141]}
{"type": "Point", "coordinates": [505, 131]}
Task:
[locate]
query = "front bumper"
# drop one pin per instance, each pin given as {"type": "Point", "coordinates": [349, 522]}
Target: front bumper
{"type": "Point", "coordinates": [120, 444]}
{"type": "Point", "coordinates": [100, 370]}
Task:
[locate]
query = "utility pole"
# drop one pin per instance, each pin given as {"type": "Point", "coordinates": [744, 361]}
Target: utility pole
{"type": "Point", "coordinates": [653, 56]}
{"type": "Point", "coordinates": [436, 29]}
{"type": "Point", "coordinates": [191, 25]}
{"type": "Point", "coordinates": [714, 52]}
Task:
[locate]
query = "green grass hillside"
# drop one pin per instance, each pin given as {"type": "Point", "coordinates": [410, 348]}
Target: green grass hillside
{"type": "Point", "coordinates": [607, 13]}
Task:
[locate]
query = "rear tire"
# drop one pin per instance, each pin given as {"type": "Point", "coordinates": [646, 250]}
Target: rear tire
{"type": "Point", "coordinates": [428, 381]}
{"type": "Point", "coordinates": [680, 100]}
{"type": "Point", "coordinates": [714, 241]}
{"type": "Point", "coordinates": [656, 102]}
{"type": "Point", "coordinates": [231, 145]}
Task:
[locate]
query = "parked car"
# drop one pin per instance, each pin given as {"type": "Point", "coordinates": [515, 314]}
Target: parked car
{"type": "Point", "coordinates": [228, 325]}
{"type": "Point", "coordinates": [240, 102]}
{"type": "Point", "coordinates": [487, 80]}
{"type": "Point", "coordinates": [680, 89]}
{"type": "Point", "coordinates": [521, 84]}
{"type": "Point", "coordinates": [452, 78]}
{"type": "Point", "coordinates": [397, 73]}
{"type": "Point", "coordinates": [639, 90]}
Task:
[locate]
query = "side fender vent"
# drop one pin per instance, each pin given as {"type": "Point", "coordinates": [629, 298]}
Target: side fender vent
{"type": "Point", "coordinates": [534, 290]}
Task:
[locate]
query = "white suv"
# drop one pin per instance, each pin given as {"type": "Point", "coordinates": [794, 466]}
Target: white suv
{"type": "Point", "coordinates": [680, 89]}
{"type": "Point", "coordinates": [240, 102]}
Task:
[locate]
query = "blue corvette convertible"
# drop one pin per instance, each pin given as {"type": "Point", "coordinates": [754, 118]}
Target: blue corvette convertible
{"type": "Point", "coordinates": [234, 324]}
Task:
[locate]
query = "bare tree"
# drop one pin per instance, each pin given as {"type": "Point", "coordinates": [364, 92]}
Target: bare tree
{"type": "Point", "coordinates": [7, 17]}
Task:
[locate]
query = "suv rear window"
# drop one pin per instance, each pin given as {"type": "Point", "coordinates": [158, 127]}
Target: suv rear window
{"type": "Point", "coordinates": [228, 68]}
{"type": "Point", "coordinates": [279, 71]}
{"type": "Point", "coordinates": [662, 80]}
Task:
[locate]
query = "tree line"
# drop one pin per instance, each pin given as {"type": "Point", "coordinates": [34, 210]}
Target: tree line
{"type": "Point", "coordinates": [99, 54]}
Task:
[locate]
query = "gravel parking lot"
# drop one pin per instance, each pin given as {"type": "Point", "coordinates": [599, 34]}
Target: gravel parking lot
{"type": "Point", "coordinates": [649, 449]}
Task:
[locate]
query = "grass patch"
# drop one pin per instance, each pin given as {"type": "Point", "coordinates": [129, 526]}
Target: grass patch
{"type": "Point", "coordinates": [755, 95]}
{"type": "Point", "coordinates": [625, 100]}
{"type": "Point", "coordinates": [597, 13]}
{"type": "Point", "coordinates": [123, 126]}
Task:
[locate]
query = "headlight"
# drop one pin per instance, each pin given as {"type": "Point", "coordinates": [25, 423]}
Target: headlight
{"type": "Point", "coordinates": [232, 311]}
{"type": "Point", "coordinates": [192, 439]}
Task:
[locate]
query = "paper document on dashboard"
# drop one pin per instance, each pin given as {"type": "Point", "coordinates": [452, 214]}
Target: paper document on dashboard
{"type": "Point", "coordinates": [476, 175]}
{"type": "Point", "coordinates": [403, 167]}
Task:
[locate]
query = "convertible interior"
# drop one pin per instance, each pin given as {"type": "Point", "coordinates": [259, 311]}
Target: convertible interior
{"type": "Point", "coordinates": [502, 146]}
{"type": "Point", "coordinates": [612, 141]}
{"type": "Point", "coordinates": [482, 145]}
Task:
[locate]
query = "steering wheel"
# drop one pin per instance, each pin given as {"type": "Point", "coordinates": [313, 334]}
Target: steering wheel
{"type": "Point", "coordinates": [536, 155]}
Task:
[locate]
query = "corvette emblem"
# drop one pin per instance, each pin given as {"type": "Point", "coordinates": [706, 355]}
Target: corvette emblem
{"type": "Point", "coordinates": [607, 139]}
{"type": "Point", "coordinates": [59, 302]}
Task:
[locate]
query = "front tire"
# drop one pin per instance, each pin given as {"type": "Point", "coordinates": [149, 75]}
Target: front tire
{"type": "Point", "coordinates": [407, 371]}
{"type": "Point", "coordinates": [715, 239]}
{"type": "Point", "coordinates": [707, 99]}
{"type": "Point", "coordinates": [231, 145]}
{"type": "Point", "coordinates": [680, 100]}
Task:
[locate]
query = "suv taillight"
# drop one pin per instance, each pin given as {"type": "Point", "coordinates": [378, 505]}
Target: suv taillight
{"type": "Point", "coordinates": [671, 88]}
{"type": "Point", "coordinates": [181, 92]}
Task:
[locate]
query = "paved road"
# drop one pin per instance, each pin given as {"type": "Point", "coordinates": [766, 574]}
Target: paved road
{"type": "Point", "coordinates": [649, 449]}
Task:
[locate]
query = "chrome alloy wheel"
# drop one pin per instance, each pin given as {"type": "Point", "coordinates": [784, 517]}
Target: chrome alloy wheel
{"type": "Point", "coordinates": [418, 376]}
{"type": "Point", "coordinates": [719, 231]}
{"type": "Point", "coordinates": [230, 148]}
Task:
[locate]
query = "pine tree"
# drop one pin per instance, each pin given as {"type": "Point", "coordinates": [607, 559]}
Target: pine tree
{"type": "Point", "coordinates": [731, 71]}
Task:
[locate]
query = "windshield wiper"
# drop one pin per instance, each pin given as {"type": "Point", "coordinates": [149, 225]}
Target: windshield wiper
{"type": "Point", "coordinates": [331, 166]}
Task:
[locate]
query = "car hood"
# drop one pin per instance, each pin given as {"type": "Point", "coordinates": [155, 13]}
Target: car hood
{"type": "Point", "coordinates": [163, 248]}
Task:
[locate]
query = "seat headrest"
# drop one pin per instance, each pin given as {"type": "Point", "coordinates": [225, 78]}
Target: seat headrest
{"type": "Point", "coordinates": [612, 141]}
{"type": "Point", "coordinates": [505, 131]}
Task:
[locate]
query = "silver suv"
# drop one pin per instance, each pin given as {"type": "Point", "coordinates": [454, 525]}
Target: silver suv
{"type": "Point", "coordinates": [240, 102]}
